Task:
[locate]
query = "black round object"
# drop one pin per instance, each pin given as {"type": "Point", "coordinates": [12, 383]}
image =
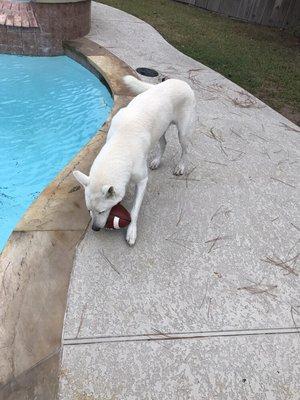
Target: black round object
{"type": "Point", "coordinates": [147, 72]}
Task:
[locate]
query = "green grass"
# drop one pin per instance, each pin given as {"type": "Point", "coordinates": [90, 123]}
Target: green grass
{"type": "Point", "coordinates": [262, 60]}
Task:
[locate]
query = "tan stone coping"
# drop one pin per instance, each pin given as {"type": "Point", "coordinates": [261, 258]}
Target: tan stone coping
{"type": "Point", "coordinates": [36, 264]}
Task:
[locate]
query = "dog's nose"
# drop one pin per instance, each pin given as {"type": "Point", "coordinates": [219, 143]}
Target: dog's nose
{"type": "Point", "coordinates": [95, 228]}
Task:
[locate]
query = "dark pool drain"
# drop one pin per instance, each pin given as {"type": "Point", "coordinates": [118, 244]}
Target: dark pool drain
{"type": "Point", "coordinates": [147, 72]}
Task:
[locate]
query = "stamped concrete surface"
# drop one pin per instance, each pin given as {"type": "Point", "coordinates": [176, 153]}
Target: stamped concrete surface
{"type": "Point", "coordinates": [36, 262]}
{"type": "Point", "coordinates": [185, 313]}
{"type": "Point", "coordinates": [189, 369]}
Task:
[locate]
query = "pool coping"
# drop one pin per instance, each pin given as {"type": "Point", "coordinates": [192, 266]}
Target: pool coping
{"type": "Point", "coordinates": [36, 263]}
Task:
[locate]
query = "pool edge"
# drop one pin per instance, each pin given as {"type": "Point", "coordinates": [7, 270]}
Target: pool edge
{"type": "Point", "coordinates": [35, 279]}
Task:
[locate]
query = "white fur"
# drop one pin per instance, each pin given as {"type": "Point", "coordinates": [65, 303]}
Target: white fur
{"type": "Point", "coordinates": [134, 130]}
{"type": "Point", "coordinates": [135, 85]}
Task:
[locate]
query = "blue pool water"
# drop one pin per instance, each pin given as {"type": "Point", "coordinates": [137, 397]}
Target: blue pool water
{"type": "Point", "coordinates": [49, 109]}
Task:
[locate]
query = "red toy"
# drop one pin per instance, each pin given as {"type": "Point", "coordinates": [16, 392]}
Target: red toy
{"type": "Point", "coordinates": [118, 217]}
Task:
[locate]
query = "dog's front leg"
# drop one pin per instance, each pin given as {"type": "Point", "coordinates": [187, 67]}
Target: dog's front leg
{"type": "Point", "coordinates": [132, 228]}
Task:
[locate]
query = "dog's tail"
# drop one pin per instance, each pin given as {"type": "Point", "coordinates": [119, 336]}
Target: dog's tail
{"type": "Point", "coordinates": [136, 85]}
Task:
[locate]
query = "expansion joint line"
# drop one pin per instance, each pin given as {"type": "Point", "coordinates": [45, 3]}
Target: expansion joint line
{"type": "Point", "coordinates": [178, 336]}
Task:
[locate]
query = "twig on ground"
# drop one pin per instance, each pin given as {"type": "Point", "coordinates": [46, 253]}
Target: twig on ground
{"type": "Point", "coordinates": [160, 333]}
{"type": "Point", "coordinates": [274, 219]}
{"type": "Point", "coordinates": [285, 183]}
{"type": "Point", "coordinates": [169, 237]}
{"type": "Point", "coordinates": [258, 288]}
{"type": "Point", "coordinates": [179, 244]}
{"type": "Point", "coordinates": [289, 128]}
{"type": "Point", "coordinates": [214, 136]}
{"type": "Point", "coordinates": [223, 151]}
{"type": "Point", "coordinates": [188, 174]}
{"type": "Point", "coordinates": [184, 179]}
{"type": "Point", "coordinates": [260, 137]}
{"type": "Point", "coordinates": [288, 265]}
{"type": "Point", "coordinates": [236, 134]}
{"type": "Point", "coordinates": [81, 320]}
{"type": "Point", "coordinates": [293, 310]}
{"type": "Point", "coordinates": [238, 157]}
{"type": "Point", "coordinates": [215, 162]}
{"type": "Point", "coordinates": [157, 341]}
{"type": "Point", "coordinates": [205, 293]}
{"type": "Point", "coordinates": [265, 152]}
{"type": "Point", "coordinates": [218, 211]}
{"type": "Point", "coordinates": [296, 227]}
{"type": "Point", "coordinates": [214, 241]}
{"type": "Point", "coordinates": [208, 308]}
{"type": "Point", "coordinates": [109, 262]}
{"type": "Point", "coordinates": [180, 216]}
{"type": "Point", "coordinates": [84, 232]}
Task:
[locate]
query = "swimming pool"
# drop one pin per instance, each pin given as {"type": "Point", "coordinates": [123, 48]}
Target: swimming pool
{"type": "Point", "coordinates": [49, 109]}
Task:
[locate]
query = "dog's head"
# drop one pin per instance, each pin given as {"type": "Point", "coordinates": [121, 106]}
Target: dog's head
{"type": "Point", "coordinates": [99, 199]}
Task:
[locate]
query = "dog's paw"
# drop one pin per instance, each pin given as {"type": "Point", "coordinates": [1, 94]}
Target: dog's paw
{"type": "Point", "coordinates": [131, 234]}
{"type": "Point", "coordinates": [179, 169]}
{"type": "Point", "coordinates": [154, 164]}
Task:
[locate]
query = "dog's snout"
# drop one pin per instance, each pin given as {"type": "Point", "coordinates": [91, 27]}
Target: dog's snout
{"type": "Point", "coordinates": [95, 228]}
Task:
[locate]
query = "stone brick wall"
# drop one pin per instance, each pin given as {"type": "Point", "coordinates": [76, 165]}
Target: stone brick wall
{"type": "Point", "coordinates": [56, 23]}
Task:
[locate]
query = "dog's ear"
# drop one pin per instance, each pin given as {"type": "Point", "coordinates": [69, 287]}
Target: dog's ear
{"type": "Point", "coordinates": [108, 191]}
{"type": "Point", "coordinates": [83, 179]}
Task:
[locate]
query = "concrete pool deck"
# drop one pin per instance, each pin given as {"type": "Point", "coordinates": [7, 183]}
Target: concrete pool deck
{"type": "Point", "coordinates": [206, 305]}
{"type": "Point", "coordinates": [36, 263]}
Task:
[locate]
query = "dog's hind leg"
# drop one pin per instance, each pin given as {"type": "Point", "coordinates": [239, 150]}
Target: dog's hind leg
{"type": "Point", "coordinates": [159, 152]}
{"type": "Point", "coordinates": [184, 127]}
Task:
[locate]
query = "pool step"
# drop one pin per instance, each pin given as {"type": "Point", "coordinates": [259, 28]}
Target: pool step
{"type": "Point", "coordinates": [17, 15]}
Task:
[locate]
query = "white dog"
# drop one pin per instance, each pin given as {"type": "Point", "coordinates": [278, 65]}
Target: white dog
{"type": "Point", "coordinates": [134, 130]}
